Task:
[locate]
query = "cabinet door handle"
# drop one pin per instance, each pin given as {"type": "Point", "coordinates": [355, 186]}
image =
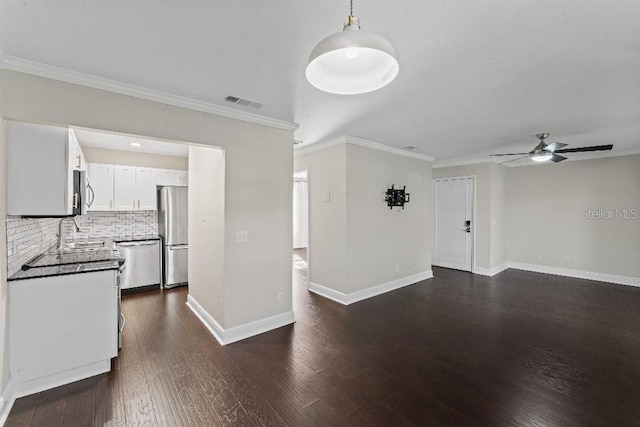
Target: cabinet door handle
{"type": "Point", "coordinates": [75, 200]}
{"type": "Point", "coordinates": [78, 159]}
{"type": "Point", "coordinates": [110, 204]}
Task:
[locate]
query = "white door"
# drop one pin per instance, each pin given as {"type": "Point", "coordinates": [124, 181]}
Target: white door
{"type": "Point", "coordinates": [101, 181]}
{"type": "Point", "coordinates": [453, 223]}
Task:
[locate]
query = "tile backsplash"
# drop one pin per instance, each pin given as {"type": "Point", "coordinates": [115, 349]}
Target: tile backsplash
{"type": "Point", "coordinates": [28, 237]}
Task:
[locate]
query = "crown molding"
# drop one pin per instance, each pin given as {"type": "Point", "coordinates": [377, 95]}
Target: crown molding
{"type": "Point", "coordinates": [14, 63]}
{"type": "Point", "coordinates": [300, 151]}
{"type": "Point", "coordinates": [359, 142]}
{"type": "Point", "coordinates": [381, 147]}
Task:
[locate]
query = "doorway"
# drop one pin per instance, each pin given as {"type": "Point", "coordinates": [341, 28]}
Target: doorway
{"type": "Point", "coordinates": [453, 223]}
{"type": "Point", "coordinates": [301, 223]}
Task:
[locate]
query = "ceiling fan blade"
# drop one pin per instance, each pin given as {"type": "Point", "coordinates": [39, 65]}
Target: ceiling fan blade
{"type": "Point", "coordinates": [554, 146]}
{"type": "Point", "coordinates": [585, 149]}
{"type": "Point", "coordinates": [515, 160]}
{"type": "Point", "coordinates": [509, 154]}
{"type": "Point", "coordinates": [557, 158]}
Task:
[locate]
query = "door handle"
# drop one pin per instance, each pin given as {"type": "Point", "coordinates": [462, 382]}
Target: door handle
{"type": "Point", "coordinates": [468, 229]}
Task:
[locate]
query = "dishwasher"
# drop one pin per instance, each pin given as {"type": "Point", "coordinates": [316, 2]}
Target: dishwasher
{"type": "Point", "coordinates": [141, 264]}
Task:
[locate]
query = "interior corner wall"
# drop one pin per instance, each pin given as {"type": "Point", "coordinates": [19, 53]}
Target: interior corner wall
{"type": "Point", "coordinates": [587, 210]}
{"type": "Point", "coordinates": [134, 158]}
{"type": "Point", "coordinates": [4, 315]}
{"type": "Point", "coordinates": [355, 240]}
{"type": "Point", "coordinates": [385, 244]}
{"type": "Point", "coordinates": [482, 208]}
{"type": "Point", "coordinates": [498, 220]}
{"type": "Point", "coordinates": [327, 215]}
{"type": "Point", "coordinates": [258, 176]}
{"type": "Point", "coordinates": [206, 230]}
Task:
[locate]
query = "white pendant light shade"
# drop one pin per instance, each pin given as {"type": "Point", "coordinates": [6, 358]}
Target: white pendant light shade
{"type": "Point", "coordinates": [352, 62]}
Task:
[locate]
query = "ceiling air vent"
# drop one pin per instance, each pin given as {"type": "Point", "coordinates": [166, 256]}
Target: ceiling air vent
{"type": "Point", "coordinates": [243, 102]}
{"type": "Point", "coordinates": [297, 141]}
{"type": "Point", "coordinates": [409, 147]}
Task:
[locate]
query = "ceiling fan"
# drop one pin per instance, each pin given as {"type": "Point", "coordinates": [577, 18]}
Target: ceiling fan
{"type": "Point", "coordinates": [544, 152]}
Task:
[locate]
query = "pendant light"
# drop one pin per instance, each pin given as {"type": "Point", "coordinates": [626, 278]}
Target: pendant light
{"type": "Point", "coordinates": [352, 61]}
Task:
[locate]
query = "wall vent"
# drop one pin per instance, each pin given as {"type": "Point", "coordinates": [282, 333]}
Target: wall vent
{"type": "Point", "coordinates": [409, 147]}
{"type": "Point", "coordinates": [297, 141]}
{"type": "Point", "coordinates": [243, 102]}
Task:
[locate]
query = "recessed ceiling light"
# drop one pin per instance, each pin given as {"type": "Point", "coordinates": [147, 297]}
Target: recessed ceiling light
{"type": "Point", "coordinates": [135, 144]}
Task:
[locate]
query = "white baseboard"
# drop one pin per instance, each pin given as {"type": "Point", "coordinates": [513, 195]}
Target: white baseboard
{"type": "Point", "coordinates": [6, 403]}
{"type": "Point", "coordinates": [237, 333]}
{"type": "Point", "coordinates": [578, 274]}
{"type": "Point", "coordinates": [56, 380]}
{"type": "Point", "coordinates": [373, 291]}
{"type": "Point", "coordinates": [491, 271]}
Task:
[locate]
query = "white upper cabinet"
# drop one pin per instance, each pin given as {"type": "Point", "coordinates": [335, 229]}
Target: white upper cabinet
{"type": "Point", "coordinates": [76, 156]}
{"type": "Point", "coordinates": [100, 187]}
{"type": "Point", "coordinates": [146, 189]}
{"type": "Point", "coordinates": [171, 177]}
{"type": "Point", "coordinates": [125, 188]}
{"type": "Point", "coordinates": [134, 188]}
{"type": "Point", "coordinates": [39, 170]}
{"type": "Point", "coordinates": [128, 188]}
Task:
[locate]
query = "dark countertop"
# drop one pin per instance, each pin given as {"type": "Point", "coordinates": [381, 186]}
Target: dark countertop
{"type": "Point", "coordinates": [60, 270]}
{"type": "Point", "coordinates": [134, 238]}
{"type": "Point", "coordinates": [56, 263]}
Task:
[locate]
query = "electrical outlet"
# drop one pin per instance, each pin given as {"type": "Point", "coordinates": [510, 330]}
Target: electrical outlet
{"type": "Point", "coordinates": [242, 237]}
{"type": "Point", "coordinates": [280, 297]}
{"type": "Point", "coordinates": [397, 268]}
{"type": "Point", "coordinates": [566, 259]}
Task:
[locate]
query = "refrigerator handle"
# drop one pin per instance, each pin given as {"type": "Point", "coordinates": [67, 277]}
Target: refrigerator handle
{"type": "Point", "coordinates": [177, 247]}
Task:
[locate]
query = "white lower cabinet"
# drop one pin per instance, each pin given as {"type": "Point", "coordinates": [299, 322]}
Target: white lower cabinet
{"type": "Point", "coordinates": [61, 328]}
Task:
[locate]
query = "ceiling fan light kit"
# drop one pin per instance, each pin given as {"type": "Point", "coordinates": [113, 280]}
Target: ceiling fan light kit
{"type": "Point", "coordinates": [542, 156]}
{"type": "Point", "coordinates": [352, 62]}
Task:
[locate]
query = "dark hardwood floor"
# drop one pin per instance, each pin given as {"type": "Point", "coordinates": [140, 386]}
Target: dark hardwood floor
{"type": "Point", "coordinates": [520, 348]}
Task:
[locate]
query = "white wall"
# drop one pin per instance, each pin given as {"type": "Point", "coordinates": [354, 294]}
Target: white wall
{"type": "Point", "coordinates": [206, 230]}
{"type": "Point", "coordinates": [379, 238]}
{"type": "Point", "coordinates": [356, 241]}
{"type": "Point", "coordinates": [258, 184]}
{"type": "Point", "coordinates": [4, 352]}
{"type": "Point", "coordinates": [132, 158]}
{"type": "Point", "coordinates": [327, 215]}
{"type": "Point", "coordinates": [533, 214]}
{"type": "Point", "coordinates": [498, 216]}
{"type": "Point", "coordinates": [546, 217]}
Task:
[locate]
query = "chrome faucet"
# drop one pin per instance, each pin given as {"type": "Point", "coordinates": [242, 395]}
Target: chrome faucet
{"type": "Point", "coordinates": [60, 229]}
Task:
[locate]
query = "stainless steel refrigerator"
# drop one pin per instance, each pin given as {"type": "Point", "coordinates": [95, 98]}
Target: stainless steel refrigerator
{"type": "Point", "coordinates": [173, 228]}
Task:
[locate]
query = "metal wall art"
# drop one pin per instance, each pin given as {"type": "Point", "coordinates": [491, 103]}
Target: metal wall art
{"type": "Point", "coordinates": [396, 197]}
